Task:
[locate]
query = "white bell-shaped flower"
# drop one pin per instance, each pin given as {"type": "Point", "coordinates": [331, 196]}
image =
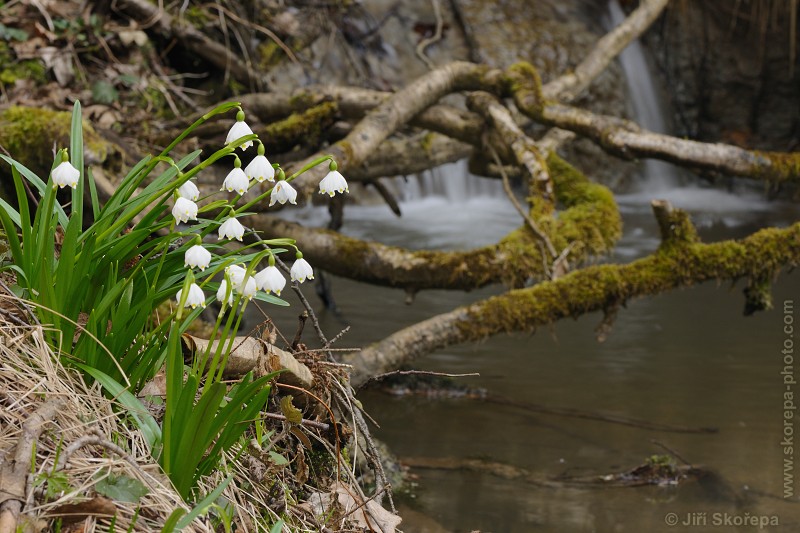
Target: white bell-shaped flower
{"type": "Point", "coordinates": [194, 298]}
{"type": "Point", "coordinates": [239, 130]}
{"type": "Point", "coordinates": [260, 169]}
{"type": "Point", "coordinates": [197, 257]}
{"type": "Point", "coordinates": [189, 191]}
{"type": "Point", "coordinates": [270, 280]}
{"type": "Point", "coordinates": [184, 210]}
{"type": "Point", "coordinates": [231, 229]}
{"type": "Point", "coordinates": [235, 274]}
{"type": "Point", "coordinates": [332, 183]}
{"type": "Point", "coordinates": [283, 192]}
{"type": "Point", "coordinates": [223, 291]}
{"type": "Point", "coordinates": [65, 175]}
{"type": "Point", "coordinates": [301, 269]}
{"type": "Point", "coordinates": [248, 288]}
{"type": "Point", "coordinates": [236, 180]}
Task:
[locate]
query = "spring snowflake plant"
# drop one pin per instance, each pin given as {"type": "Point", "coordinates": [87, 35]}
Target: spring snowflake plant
{"type": "Point", "coordinates": [155, 239]}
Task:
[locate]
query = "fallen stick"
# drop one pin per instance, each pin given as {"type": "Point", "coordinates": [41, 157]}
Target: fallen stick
{"type": "Point", "coordinates": [14, 473]}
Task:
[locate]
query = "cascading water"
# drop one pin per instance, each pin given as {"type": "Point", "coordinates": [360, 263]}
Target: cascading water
{"type": "Point", "coordinates": [444, 208]}
{"type": "Point", "coordinates": [448, 208]}
{"type": "Point", "coordinates": [648, 107]}
{"type": "Point", "coordinates": [452, 182]}
{"type": "Point", "coordinates": [708, 205]}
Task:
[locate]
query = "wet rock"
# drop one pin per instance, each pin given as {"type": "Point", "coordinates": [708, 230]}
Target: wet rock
{"type": "Point", "coordinates": [729, 69]}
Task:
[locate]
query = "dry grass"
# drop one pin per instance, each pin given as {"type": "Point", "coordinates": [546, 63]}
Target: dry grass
{"type": "Point", "coordinates": [30, 374]}
{"type": "Point", "coordinates": [87, 427]}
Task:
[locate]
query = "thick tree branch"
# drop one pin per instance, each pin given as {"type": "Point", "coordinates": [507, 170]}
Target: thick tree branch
{"type": "Point", "coordinates": [410, 155]}
{"type": "Point", "coordinates": [568, 86]}
{"type": "Point", "coordinates": [626, 139]}
{"type": "Point", "coordinates": [524, 149]}
{"type": "Point", "coordinates": [397, 111]}
{"type": "Point", "coordinates": [356, 102]}
{"type": "Point", "coordinates": [589, 224]}
{"type": "Point", "coordinates": [676, 264]}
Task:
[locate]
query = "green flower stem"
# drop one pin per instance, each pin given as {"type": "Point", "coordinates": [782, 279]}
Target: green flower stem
{"type": "Point", "coordinates": [231, 339]}
{"type": "Point", "coordinates": [42, 231]}
{"type": "Point", "coordinates": [266, 193]}
{"type": "Point", "coordinates": [164, 257]}
{"type": "Point", "coordinates": [224, 108]}
{"type": "Point", "coordinates": [142, 174]}
{"type": "Point", "coordinates": [167, 189]}
{"type": "Point", "coordinates": [310, 165]}
{"type": "Point", "coordinates": [184, 294]}
{"type": "Point", "coordinates": [174, 382]}
{"type": "Point", "coordinates": [212, 369]}
{"type": "Point", "coordinates": [203, 359]}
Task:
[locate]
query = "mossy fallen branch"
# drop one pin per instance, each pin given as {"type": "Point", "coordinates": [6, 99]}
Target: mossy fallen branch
{"type": "Point", "coordinates": [595, 288]}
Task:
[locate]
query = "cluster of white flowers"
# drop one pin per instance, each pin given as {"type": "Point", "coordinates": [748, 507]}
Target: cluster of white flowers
{"type": "Point", "coordinates": [236, 279]}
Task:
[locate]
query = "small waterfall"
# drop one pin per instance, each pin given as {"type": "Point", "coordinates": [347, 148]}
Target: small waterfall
{"type": "Point", "coordinates": [648, 107]}
{"type": "Point", "coordinates": [451, 181]}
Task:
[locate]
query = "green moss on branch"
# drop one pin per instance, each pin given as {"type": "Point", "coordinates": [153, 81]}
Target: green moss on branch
{"type": "Point", "coordinates": [595, 288]}
{"type": "Point", "coordinates": [782, 166]}
{"type": "Point", "coordinates": [526, 87]}
{"type": "Point", "coordinates": [307, 127]}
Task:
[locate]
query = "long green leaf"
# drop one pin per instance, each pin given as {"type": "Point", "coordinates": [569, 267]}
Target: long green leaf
{"type": "Point", "coordinates": [172, 522]}
{"type": "Point", "coordinates": [122, 194]}
{"type": "Point", "coordinates": [174, 383]}
{"type": "Point", "coordinates": [76, 158]}
{"type": "Point", "coordinates": [65, 271]}
{"type": "Point", "coordinates": [24, 208]}
{"type": "Point", "coordinates": [194, 438]}
{"type": "Point", "coordinates": [11, 234]}
{"type": "Point", "coordinates": [12, 213]}
{"type": "Point", "coordinates": [37, 183]}
{"type": "Point", "coordinates": [93, 194]}
{"type": "Point", "coordinates": [204, 504]}
{"type": "Point", "coordinates": [144, 420]}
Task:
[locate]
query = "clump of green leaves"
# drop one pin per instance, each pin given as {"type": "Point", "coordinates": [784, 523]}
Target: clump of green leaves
{"type": "Point", "coordinates": [95, 275]}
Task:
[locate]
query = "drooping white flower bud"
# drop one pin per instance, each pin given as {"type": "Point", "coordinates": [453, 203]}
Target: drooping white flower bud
{"type": "Point", "coordinates": [271, 280]}
{"type": "Point", "coordinates": [189, 191]}
{"type": "Point", "coordinates": [283, 192]}
{"type": "Point", "coordinates": [65, 174]}
{"type": "Point", "coordinates": [260, 169]}
{"type": "Point", "coordinates": [236, 180]}
{"type": "Point", "coordinates": [334, 182]}
{"type": "Point", "coordinates": [239, 130]}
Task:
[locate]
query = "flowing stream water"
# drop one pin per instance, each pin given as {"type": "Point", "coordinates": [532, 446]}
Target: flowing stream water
{"type": "Point", "coordinates": [686, 358]}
